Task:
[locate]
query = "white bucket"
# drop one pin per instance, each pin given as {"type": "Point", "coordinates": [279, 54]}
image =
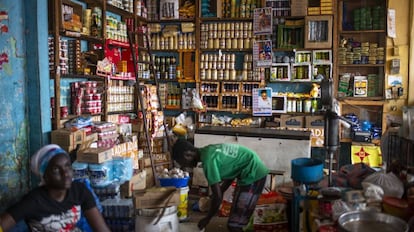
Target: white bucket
{"type": "Point", "coordinates": [149, 220]}
{"type": "Point", "coordinates": [182, 212]}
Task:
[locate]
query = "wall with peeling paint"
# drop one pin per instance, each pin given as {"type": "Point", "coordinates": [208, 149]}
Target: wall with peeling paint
{"type": "Point", "coordinates": [13, 95]}
{"type": "Point", "coordinates": [23, 75]}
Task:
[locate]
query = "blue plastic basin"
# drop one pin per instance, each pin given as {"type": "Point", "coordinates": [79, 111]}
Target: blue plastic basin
{"type": "Point", "coordinates": [176, 182]}
{"type": "Point", "coordinates": [307, 170]}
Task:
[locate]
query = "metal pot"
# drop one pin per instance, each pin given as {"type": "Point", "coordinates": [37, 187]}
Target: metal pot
{"type": "Point", "coordinates": [356, 221]}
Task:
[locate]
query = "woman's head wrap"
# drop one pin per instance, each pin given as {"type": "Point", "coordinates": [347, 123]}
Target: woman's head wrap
{"type": "Point", "coordinates": [40, 160]}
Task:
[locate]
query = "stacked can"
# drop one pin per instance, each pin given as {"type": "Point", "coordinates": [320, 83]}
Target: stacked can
{"type": "Point", "coordinates": [120, 98]}
{"type": "Point", "coordinates": [280, 8]}
{"type": "Point", "coordinates": [85, 98]}
{"type": "Point", "coordinates": [218, 67]}
{"type": "Point", "coordinates": [116, 29]}
{"type": "Point", "coordinates": [181, 41]}
{"type": "Point", "coordinates": [64, 67]}
{"type": "Point", "coordinates": [234, 35]}
{"type": "Point", "coordinates": [373, 85]}
{"type": "Point", "coordinates": [239, 9]}
{"type": "Point", "coordinates": [126, 5]}
{"type": "Point", "coordinates": [152, 9]}
{"type": "Point", "coordinates": [247, 73]}
{"type": "Point", "coordinates": [74, 54]}
{"type": "Point", "coordinates": [366, 53]}
{"type": "Point", "coordinates": [165, 67]}
{"type": "Point", "coordinates": [141, 10]}
{"type": "Point", "coordinates": [51, 45]}
{"type": "Point", "coordinates": [52, 107]}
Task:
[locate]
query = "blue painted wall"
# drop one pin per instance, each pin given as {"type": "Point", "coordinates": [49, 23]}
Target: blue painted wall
{"type": "Point", "coordinates": [23, 76]}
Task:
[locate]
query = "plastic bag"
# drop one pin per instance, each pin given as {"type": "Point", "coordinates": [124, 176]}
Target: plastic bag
{"type": "Point", "coordinates": [372, 192]}
{"type": "Point", "coordinates": [197, 103]}
{"type": "Point", "coordinates": [182, 124]}
{"type": "Point", "coordinates": [389, 182]}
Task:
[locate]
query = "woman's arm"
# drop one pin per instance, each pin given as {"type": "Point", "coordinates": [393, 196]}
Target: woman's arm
{"type": "Point", "coordinates": [6, 222]}
{"type": "Point", "coordinates": [96, 220]}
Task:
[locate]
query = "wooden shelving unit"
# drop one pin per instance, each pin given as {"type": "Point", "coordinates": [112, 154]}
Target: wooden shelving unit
{"type": "Point", "coordinates": [360, 30]}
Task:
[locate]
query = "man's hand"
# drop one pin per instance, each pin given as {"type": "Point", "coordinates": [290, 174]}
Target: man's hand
{"type": "Point", "coordinates": [216, 199]}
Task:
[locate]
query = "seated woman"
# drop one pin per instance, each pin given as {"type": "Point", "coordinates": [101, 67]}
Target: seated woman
{"type": "Point", "coordinates": [56, 204]}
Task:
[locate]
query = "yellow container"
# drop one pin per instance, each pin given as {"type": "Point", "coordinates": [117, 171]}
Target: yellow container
{"type": "Point", "coordinates": [182, 211]}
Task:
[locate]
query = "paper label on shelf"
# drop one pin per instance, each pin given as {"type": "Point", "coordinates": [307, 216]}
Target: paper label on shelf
{"type": "Point", "coordinates": [391, 23]}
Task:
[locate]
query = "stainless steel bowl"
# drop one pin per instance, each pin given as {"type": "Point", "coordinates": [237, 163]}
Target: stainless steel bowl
{"type": "Point", "coordinates": [357, 221]}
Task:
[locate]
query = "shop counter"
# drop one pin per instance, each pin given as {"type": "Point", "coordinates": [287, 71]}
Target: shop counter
{"type": "Point", "coordinates": [275, 147]}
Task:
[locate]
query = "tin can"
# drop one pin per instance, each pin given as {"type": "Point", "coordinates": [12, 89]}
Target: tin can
{"type": "Point", "coordinates": [64, 111]}
{"type": "Point", "coordinates": [289, 105]}
{"type": "Point", "coordinates": [214, 75]}
{"type": "Point", "coordinates": [314, 105]}
{"type": "Point", "coordinates": [233, 74]}
{"type": "Point", "coordinates": [307, 105]}
{"type": "Point", "coordinates": [202, 74]}
{"type": "Point", "coordinates": [208, 74]}
{"type": "Point", "coordinates": [299, 105]}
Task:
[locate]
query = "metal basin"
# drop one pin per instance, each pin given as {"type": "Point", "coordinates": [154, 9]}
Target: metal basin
{"type": "Point", "coordinates": [357, 221]}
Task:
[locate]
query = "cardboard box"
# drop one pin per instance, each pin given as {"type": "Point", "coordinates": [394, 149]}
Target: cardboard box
{"type": "Point", "coordinates": [157, 197]}
{"type": "Point", "coordinates": [137, 182]}
{"type": "Point", "coordinates": [67, 138]}
{"type": "Point", "coordinates": [95, 155]}
{"type": "Point", "coordinates": [298, 7]}
{"type": "Point", "coordinates": [315, 121]}
{"type": "Point", "coordinates": [292, 121]}
{"type": "Point", "coordinates": [71, 15]}
{"type": "Point", "coordinates": [161, 157]}
{"type": "Point", "coordinates": [149, 180]}
{"type": "Point", "coordinates": [120, 150]}
{"type": "Point", "coordinates": [91, 138]}
{"type": "Point", "coordinates": [316, 125]}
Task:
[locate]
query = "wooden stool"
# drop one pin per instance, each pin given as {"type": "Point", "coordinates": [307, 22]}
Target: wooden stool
{"type": "Point", "coordinates": [273, 174]}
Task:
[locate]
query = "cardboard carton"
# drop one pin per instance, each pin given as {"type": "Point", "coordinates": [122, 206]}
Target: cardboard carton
{"type": "Point", "coordinates": [137, 182]}
{"type": "Point", "coordinates": [316, 125]}
{"type": "Point", "coordinates": [95, 155]}
{"type": "Point", "coordinates": [157, 197]}
{"type": "Point", "coordinates": [67, 138]}
{"type": "Point", "coordinates": [290, 121]}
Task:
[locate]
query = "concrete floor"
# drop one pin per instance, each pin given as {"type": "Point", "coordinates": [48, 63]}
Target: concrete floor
{"type": "Point", "coordinates": [217, 224]}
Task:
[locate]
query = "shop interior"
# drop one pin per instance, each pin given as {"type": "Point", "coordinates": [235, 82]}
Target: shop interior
{"type": "Point", "coordinates": [318, 89]}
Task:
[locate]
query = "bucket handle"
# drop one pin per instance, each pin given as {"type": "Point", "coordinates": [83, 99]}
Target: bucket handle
{"type": "Point", "coordinates": [163, 209]}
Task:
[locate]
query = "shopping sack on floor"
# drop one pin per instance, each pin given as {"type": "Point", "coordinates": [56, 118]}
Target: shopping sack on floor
{"type": "Point", "coordinates": [270, 213]}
